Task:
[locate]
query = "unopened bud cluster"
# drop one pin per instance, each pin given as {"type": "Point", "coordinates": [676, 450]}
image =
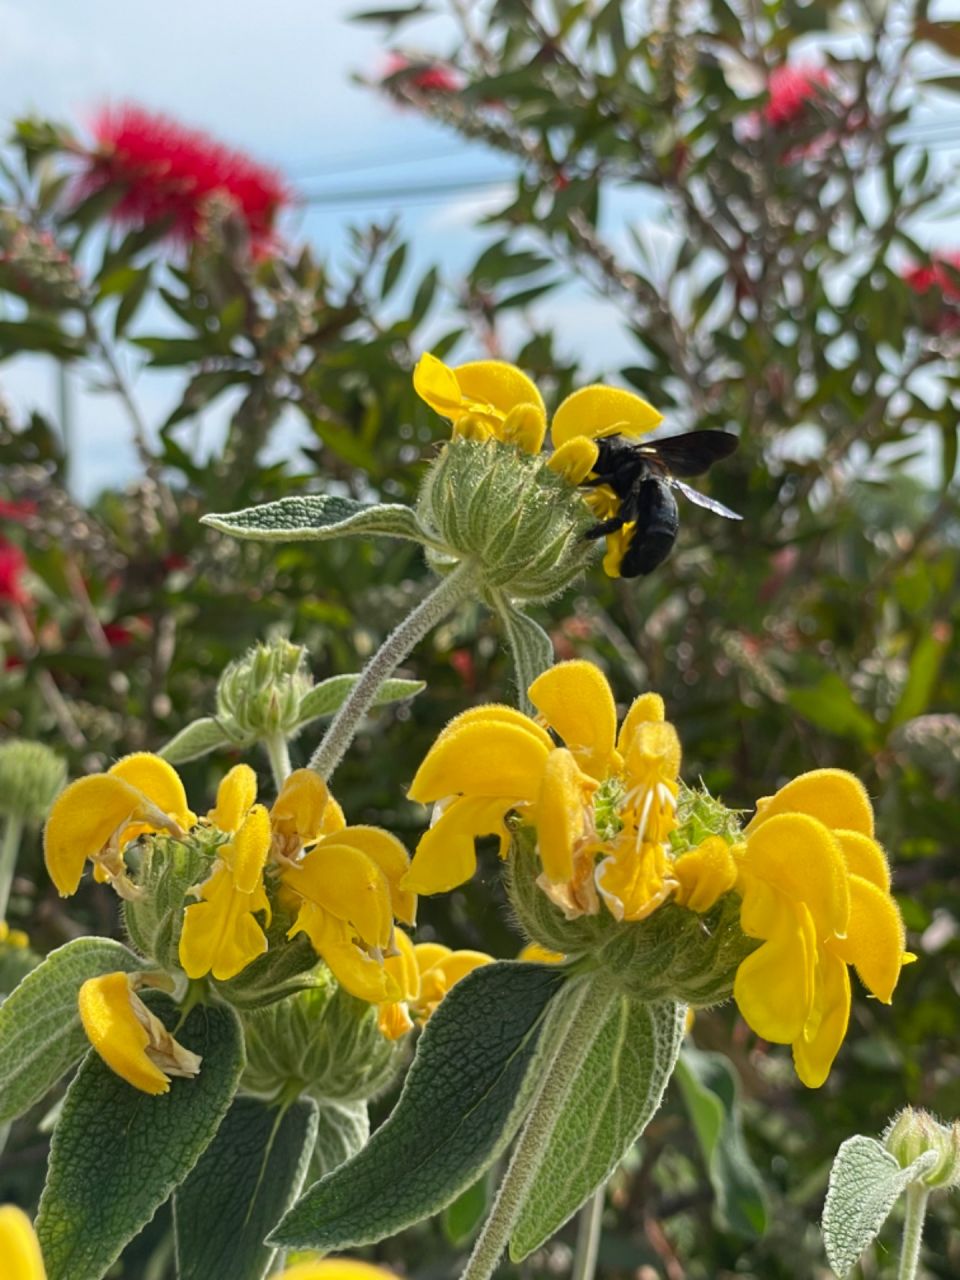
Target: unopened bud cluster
{"type": "Point", "coordinates": [504, 508]}
{"type": "Point", "coordinates": [261, 692]}
{"type": "Point", "coordinates": [914, 1132]}
{"type": "Point", "coordinates": [31, 776]}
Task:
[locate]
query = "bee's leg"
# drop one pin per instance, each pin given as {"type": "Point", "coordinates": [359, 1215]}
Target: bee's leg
{"type": "Point", "coordinates": [606, 526]}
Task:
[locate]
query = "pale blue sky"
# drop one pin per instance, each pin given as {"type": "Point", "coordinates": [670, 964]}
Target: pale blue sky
{"type": "Point", "coordinates": [274, 79]}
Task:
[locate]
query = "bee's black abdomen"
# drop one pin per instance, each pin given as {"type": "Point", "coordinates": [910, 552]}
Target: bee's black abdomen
{"type": "Point", "coordinates": [657, 524]}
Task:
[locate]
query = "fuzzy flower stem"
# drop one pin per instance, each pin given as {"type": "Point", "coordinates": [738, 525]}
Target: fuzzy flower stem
{"type": "Point", "coordinates": [441, 601]}
{"type": "Point", "coordinates": [279, 755]}
{"type": "Point", "coordinates": [584, 1019]}
{"type": "Point", "coordinates": [917, 1195]}
{"type": "Point", "coordinates": [12, 831]}
{"type": "Point", "coordinates": [589, 1230]}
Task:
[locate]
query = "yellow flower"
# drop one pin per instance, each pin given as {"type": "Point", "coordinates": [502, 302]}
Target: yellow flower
{"type": "Point", "coordinates": [485, 399]}
{"type": "Point", "coordinates": [131, 1040]}
{"type": "Point", "coordinates": [302, 812]}
{"type": "Point", "coordinates": [334, 1269]}
{"type": "Point", "coordinates": [533, 953]}
{"type": "Point", "coordinates": [815, 886]}
{"type": "Point", "coordinates": [16, 939]}
{"type": "Point", "coordinates": [424, 973]}
{"type": "Point", "coordinates": [96, 817]}
{"type": "Point", "coordinates": [20, 1249]}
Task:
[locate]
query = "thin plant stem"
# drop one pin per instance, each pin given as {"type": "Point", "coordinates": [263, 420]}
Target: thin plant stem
{"type": "Point", "coordinates": [279, 754]}
{"type": "Point", "coordinates": [572, 1045]}
{"type": "Point", "coordinates": [917, 1195]}
{"type": "Point", "coordinates": [441, 601]}
{"type": "Point", "coordinates": [12, 831]}
{"type": "Point", "coordinates": [589, 1230]}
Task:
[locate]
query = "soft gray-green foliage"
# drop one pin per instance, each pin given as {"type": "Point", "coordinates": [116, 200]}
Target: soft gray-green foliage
{"type": "Point", "coordinates": [865, 1183]}
{"type": "Point", "coordinates": [343, 1129]}
{"type": "Point", "coordinates": [315, 517]}
{"type": "Point", "coordinates": [461, 1103]}
{"type": "Point", "coordinates": [328, 696]}
{"type": "Point", "coordinates": [241, 1185]}
{"type": "Point", "coordinates": [40, 1033]}
{"type": "Point", "coordinates": [530, 647]}
{"type": "Point", "coordinates": [617, 1090]}
{"type": "Point", "coordinates": [197, 739]}
{"type": "Point", "coordinates": [117, 1153]}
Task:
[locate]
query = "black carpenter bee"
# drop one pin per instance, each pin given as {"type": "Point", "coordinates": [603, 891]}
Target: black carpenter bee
{"type": "Point", "coordinates": [642, 476]}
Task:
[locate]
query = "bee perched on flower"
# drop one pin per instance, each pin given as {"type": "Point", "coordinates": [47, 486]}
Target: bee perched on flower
{"type": "Point", "coordinates": [613, 862]}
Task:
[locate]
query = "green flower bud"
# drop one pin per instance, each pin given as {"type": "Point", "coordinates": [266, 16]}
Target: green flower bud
{"type": "Point", "coordinates": [168, 869]}
{"type": "Point", "coordinates": [674, 954]}
{"type": "Point", "coordinates": [507, 510]}
{"type": "Point", "coordinates": [912, 1132]}
{"type": "Point", "coordinates": [322, 1042]}
{"type": "Point", "coordinates": [260, 693]}
{"type": "Point", "coordinates": [31, 777]}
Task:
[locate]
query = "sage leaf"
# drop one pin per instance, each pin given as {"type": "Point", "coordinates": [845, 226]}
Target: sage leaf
{"type": "Point", "coordinates": [317, 517]}
{"type": "Point", "coordinates": [40, 1033]}
{"type": "Point", "coordinates": [530, 647]}
{"type": "Point", "coordinates": [461, 1103]}
{"type": "Point", "coordinates": [343, 1129]}
{"type": "Point", "coordinates": [329, 695]}
{"type": "Point", "coordinates": [709, 1087]}
{"type": "Point", "coordinates": [618, 1088]}
{"type": "Point", "coordinates": [117, 1153]}
{"type": "Point", "coordinates": [865, 1183]}
{"type": "Point", "coordinates": [197, 739]}
{"type": "Point", "coordinates": [239, 1189]}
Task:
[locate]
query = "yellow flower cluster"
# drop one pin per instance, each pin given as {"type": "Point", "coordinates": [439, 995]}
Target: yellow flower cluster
{"type": "Point", "coordinates": [341, 884]}
{"type": "Point", "coordinates": [814, 884]}
{"type": "Point", "coordinates": [489, 399]}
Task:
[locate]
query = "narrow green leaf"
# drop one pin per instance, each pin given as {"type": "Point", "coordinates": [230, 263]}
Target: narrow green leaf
{"type": "Point", "coordinates": [328, 696]}
{"type": "Point", "coordinates": [117, 1153]}
{"type": "Point", "coordinates": [316, 517]}
{"type": "Point", "coordinates": [709, 1087]}
{"type": "Point", "coordinates": [391, 272]}
{"type": "Point", "coordinates": [195, 740]}
{"type": "Point", "coordinates": [830, 705]}
{"type": "Point", "coordinates": [343, 1129]}
{"type": "Point", "coordinates": [865, 1183]}
{"type": "Point", "coordinates": [922, 674]}
{"type": "Point", "coordinates": [40, 1033]}
{"type": "Point", "coordinates": [240, 1187]}
{"type": "Point", "coordinates": [530, 647]}
{"type": "Point", "coordinates": [462, 1218]}
{"type": "Point", "coordinates": [133, 295]}
{"type": "Point", "coordinates": [618, 1089]}
{"type": "Point", "coordinates": [461, 1103]}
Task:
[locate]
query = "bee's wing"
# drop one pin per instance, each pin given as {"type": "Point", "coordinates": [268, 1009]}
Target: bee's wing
{"type": "Point", "coordinates": [702, 500]}
{"type": "Point", "coordinates": [692, 453]}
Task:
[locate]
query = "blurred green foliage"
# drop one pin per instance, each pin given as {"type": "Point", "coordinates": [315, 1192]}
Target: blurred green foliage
{"type": "Point", "coordinates": [818, 632]}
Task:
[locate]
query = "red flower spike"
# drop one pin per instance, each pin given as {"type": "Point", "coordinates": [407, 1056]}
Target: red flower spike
{"type": "Point", "coordinates": [790, 90]}
{"type": "Point", "coordinates": [431, 77]}
{"type": "Point", "coordinates": [169, 171]}
{"type": "Point", "coordinates": [935, 274]}
{"type": "Point", "coordinates": [12, 564]}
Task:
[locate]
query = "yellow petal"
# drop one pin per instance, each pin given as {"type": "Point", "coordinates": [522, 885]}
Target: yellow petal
{"type": "Point", "coordinates": [20, 1249]}
{"type": "Point", "coordinates": [835, 797]}
{"type": "Point", "coordinates": [403, 967]}
{"type": "Point", "coordinates": [575, 699]}
{"type": "Point", "coordinates": [219, 934]}
{"type": "Point", "coordinates": [575, 459]}
{"type": "Point", "coordinates": [634, 883]}
{"type": "Point", "coordinates": [481, 759]}
{"type": "Point", "coordinates": [525, 426]}
{"type": "Point", "coordinates": [393, 1020]}
{"type": "Point", "coordinates": [815, 1050]}
{"type": "Point", "coordinates": [358, 973]}
{"type": "Point", "coordinates": [495, 383]}
{"type": "Point", "coordinates": [560, 815]}
{"type": "Point", "coordinates": [125, 1034]}
{"type": "Point", "coordinates": [436, 383]}
{"type": "Point", "coordinates": [533, 953]}
{"type": "Point", "coordinates": [349, 886]}
{"type": "Point", "coordinates": [705, 874]}
{"type": "Point", "coordinates": [235, 795]}
{"type": "Point", "coordinates": [647, 708]}
{"type": "Point", "coordinates": [439, 978]}
{"type": "Point", "coordinates": [774, 986]}
{"type": "Point", "coordinates": [430, 953]}
{"type": "Point", "coordinates": [617, 545]}
{"type": "Point", "coordinates": [865, 858]}
{"type": "Point", "coordinates": [391, 857]}
{"type": "Point", "coordinates": [445, 856]}
{"type": "Point", "coordinates": [335, 1269]}
{"type": "Point", "coordinates": [159, 782]}
{"type": "Point", "coordinates": [299, 810]}
{"type": "Point", "coordinates": [600, 411]}
{"type": "Point", "coordinates": [799, 857]}
{"type": "Point", "coordinates": [496, 713]}
{"type": "Point", "coordinates": [875, 938]}
{"type": "Point", "coordinates": [85, 817]}
{"type": "Point", "coordinates": [247, 851]}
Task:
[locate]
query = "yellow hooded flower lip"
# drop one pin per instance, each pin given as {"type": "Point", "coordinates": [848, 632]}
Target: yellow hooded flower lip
{"type": "Point", "coordinates": [802, 860]}
{"type": "Point", "coordinates": [560, 815]}
{"type": "Point", "coordinates": [705, 874]}
{"type": "Point", "coordinates": [335, 1269]}
{"type": "Point", "coordinates": [236, 795]}
{"type": "Point", "coordinates": [486, 397]}
{"type": "Point", "coordinates": [598, 411]}
{"type": "Point", "coordinates": [833, 796]}
{"type": "Point", "coordinates": [481, 758]}
{"type": "Point", "coordinates": [446, 854]}
{"type": "Point", "coordinates": [303, 811]}
{"type": "Point", "coordinates": [575, 699]}
{"type": "Point", "coordinates": [131, 1040]}
{"type": "Point", "coordinates": [347, 884]}
{"type": "Point", "coordinates": [90, 819]}
{"type": "Point", "coordinates": [20, 1248]}
{"type": "Point", "coordinates": [356, 970]}
{"type": "Point", "coordinates": [220, 934]}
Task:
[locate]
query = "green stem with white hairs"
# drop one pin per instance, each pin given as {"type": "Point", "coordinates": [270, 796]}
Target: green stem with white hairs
{"type": "Point", "coordinates": [442, 600]}
{"type": "Point", "coordinates": [12, 832]}
{"type": "Point", "coordinates": [279, 755]}
{"type": "Point", "coordinates": [589, 1230]}
{"type": "Point", "coordinates": [572, 1043]}
{"type": "Point", "coordinates": [917, 1196]}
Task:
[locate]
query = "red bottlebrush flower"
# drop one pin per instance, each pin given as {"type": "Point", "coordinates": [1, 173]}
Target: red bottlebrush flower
{"type": "Point", "coordinates": [462, 662]}
{"type": "Point", "coordinates": [17, 509]}
{"type": "Point", "coordinates": [167, 170]}
{"type": "Point", "coordinates": [12, 564]}
{"type": "Point", "coordinates": [428, 77]}
{"type": "Point", "coordinates": [790, 90]}
{"type": "Point", "coordinates": [936, 274]}
{"type": "Point", "coordinates": [119, 635]}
